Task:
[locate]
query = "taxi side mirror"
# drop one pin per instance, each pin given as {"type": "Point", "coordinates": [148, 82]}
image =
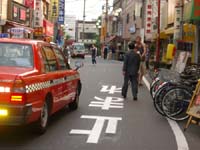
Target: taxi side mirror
{"type": "Point", "coordinates": [78, 65]}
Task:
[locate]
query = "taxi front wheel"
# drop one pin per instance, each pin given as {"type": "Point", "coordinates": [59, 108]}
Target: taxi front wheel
{"type": "Point", "coordinates": [41, 125]}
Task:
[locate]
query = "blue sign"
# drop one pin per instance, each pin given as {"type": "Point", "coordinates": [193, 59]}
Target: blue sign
{"type": "Point", "coordinates": [61, 12]}
{"type": "Point", "coordinates": [4, 35]}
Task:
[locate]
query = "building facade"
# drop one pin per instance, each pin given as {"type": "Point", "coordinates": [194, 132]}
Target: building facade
{"type": "Point", "coordinates": [132, 14]}
{"type": "Point", "coordinates": [70, 26]}
{"type": "Point", "coordinates": [27, 18]}
{"type": "Point", "coordinates": [90, 32]}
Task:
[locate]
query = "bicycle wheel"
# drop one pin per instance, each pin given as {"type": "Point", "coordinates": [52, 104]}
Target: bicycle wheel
{"type": "Point", "coordinates": [154, 88]}
{"type": "Point", "coordinates": [175, 103]}
{"type": "Point", "coordinates": [160, 93]}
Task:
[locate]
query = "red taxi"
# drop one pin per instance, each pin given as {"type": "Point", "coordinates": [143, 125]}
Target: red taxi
{"type": "Point", "coordinates": [35, 82]}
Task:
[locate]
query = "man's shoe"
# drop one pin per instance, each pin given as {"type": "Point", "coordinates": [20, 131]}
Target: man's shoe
{"type": "Point", "coordinates": [124, 96]}
{"type": "Point", "coordinates": [135, 98]}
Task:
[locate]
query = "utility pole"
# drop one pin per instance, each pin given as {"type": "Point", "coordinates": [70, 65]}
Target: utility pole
{"type": "Point", "coordinates": [106, 19]}
{"type": "Point", "coordinates": [83, 35]}
{"type": "Point", "coordinates": [158, 36]}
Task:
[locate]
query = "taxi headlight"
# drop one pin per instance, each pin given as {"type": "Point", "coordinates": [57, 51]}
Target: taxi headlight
{"type": "Point", "coordinates": [3, 112]}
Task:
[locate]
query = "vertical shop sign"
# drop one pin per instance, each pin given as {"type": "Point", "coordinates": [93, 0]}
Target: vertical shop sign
{"type": "Point", "coordinates": [48, 28]}
{"type": "Point", "coordinates": [196, 10]}
{"type": "Point", "coordinates": [38, 19]}
{"type": "Point", "coordinates": [148, 17]}
{"type": "Point", "coordinates": [61, 12]}
{"type": "Point", "coordinates": [178, 18]}
{"type": "Point", "coordinates": [54, 12]}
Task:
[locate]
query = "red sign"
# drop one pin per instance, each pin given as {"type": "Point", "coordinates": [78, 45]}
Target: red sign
{"type": "Point", "coordinates": [197, 8]}
{"type": "Point", "coordinates": [22, 14]}
{"type": "Point", "coordinates": [29, 3]}
{"type": "Point", "coordinates": [48, 27]}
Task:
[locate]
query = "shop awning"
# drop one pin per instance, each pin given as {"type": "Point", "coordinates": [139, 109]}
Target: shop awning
{"type": "Point", "coordinates": [110, 39]}
{"type": "Point", "coordinates": [14, 24]}
{"type": "Point", "coordinates": [169, 30]}
{"type": "Point", "coordinates": [163, 35]}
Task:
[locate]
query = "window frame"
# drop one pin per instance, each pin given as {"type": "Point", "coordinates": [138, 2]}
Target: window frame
{"type": "Point", "coordinates": [64, 58]}
{"type": "Point", "coordinates": [32, 52]}
{"type": "Point", "coordinates": [46, 61]}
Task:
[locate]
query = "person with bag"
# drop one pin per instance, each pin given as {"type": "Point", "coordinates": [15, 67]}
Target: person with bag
{"type": "Point", "coordinates": [142, 50]}
{"type": "Point", "coordinates": [130, 71]}
{"type": "Point", "coordinates": [105, 51]}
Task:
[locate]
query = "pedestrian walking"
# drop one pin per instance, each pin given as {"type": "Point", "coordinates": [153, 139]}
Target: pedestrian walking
{"type": "Point", "coordinates": [130, 70]}
{"type": "Point", "coordinates": [142, 50]}
{"type": "Point", "coordinates": [147, 57]}
{"type": "Point", "coordinates": [113, 52]}
{"type": "Point", "coordinates": [105, 52]}
{"type": "Point", "coordinates": [94, 54]}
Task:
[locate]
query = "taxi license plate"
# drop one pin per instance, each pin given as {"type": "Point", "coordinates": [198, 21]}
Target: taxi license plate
{"type": "Point", "coordinates": [3, 112]}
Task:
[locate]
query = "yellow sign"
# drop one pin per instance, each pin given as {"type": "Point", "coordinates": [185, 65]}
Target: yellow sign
{"type": "Point", "coordinates": [170, 51]}
{"type": "Point", "coordinates": [194, 107]}
{"type": "Point", "coordinates": [54, 8]}
{"type": "Point", "coordinates": [189, 36]}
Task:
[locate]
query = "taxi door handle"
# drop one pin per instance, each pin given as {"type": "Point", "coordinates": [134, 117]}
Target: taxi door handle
{"type": "Point", "coordinates": [65, 78]}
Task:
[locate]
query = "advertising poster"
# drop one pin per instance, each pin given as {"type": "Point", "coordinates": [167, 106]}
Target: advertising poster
{"type": "Point", "coordinates": [54, 5]}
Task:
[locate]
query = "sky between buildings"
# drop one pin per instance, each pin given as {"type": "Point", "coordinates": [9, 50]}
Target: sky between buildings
{"type": "Point", "coordinates": [93, 8]}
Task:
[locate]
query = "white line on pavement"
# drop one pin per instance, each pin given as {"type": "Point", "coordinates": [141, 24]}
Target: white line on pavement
{"type": "Point", "coordinates": [179, 136]}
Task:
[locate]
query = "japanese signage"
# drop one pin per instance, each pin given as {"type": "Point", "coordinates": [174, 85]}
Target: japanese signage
{"type": "Point", "coordinates": [4, 35]}
{"type": "Point", "coordinates": [48, 28]}
{"type": "Point", "coordinates": [38, 31]}
{"type": "Point", "coordinates": [177, 20]}
{"type": "Point", "coordinates": [29, 3]}
{"type": "Point", "coordinates": [61, 14]}
{"type": "Point", "coordinates": [54, 9]}
{"type": "Point", "coordinates": [38, 19]}
{"type": "Point", "coordinates": [148, 26]}
{"type": "Point", "coordinates": [171, 11]}
{"type": "Point", "coordinates": [18, 32]}
{"type": "Point", "coordinates": [104, 104]}
{"type": "Point", "coordinates": [20, 13]}
{"type": "Point", "coordinates": [196, 10]}
{"type": "Point", "coordinates": [187, 11]}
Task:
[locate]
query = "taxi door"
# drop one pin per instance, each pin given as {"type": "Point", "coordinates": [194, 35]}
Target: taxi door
{"type": "Point", "coordinates": [66, 72]}
{"type": "Point", "coordinates": [54, 75]}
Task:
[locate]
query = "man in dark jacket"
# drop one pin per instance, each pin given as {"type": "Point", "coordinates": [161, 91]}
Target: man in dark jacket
{"type": "Point", "coordinates": [130, 70]}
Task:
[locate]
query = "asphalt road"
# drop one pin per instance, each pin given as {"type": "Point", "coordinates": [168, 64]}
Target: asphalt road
{"type": "Point", "coordinates": [130, 125]}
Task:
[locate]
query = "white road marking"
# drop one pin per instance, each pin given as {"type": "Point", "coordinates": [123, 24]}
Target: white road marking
{"type": "Point", "coordinates": [112, 90]}
{"type": "Point", "coordinates": [94, 134]}
{"type": "Point", "coordinates": [107, 103]}
{"type": "Point", "coordinates": [179, 136]}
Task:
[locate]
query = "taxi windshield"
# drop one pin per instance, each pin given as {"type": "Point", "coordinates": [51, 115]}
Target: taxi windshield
{"type": "Point", "coordinates": [16, 55]}
{"type": "Point", "coordinates": [79, 47]}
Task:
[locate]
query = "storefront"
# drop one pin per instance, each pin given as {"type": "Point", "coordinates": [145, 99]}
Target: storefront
{"type": "Point", "coordinates": [18, 17]}
{"type": "Point", "coordinates": [46, 32]}
{"type": "Point", "coordinates": [191, 32]}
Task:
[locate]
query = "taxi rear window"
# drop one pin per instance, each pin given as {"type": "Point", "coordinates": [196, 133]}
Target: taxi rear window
{"type": "Point", "coordinates": [16, 55]}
